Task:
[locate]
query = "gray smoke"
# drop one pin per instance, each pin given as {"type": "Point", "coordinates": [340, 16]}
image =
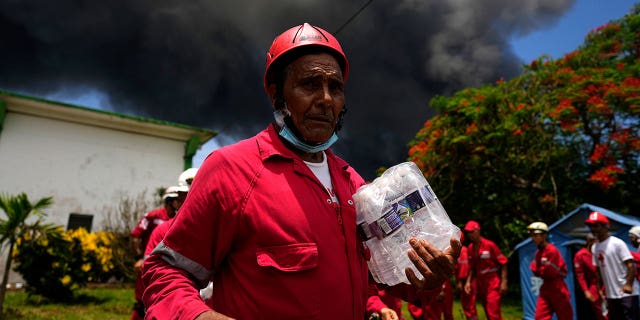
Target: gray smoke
{"type": "Point", "coordinates": [201, 62]}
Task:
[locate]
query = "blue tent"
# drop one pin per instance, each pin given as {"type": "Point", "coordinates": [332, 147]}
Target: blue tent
{"type": "Point", "coordinates": [566, 234]}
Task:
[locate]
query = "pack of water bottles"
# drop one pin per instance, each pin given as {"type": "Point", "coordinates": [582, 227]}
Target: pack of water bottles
{"type": "Point", "coordinates": [395, 207]}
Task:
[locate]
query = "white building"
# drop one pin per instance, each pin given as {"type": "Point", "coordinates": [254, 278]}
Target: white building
{"type": "Point", "coordinates": [88, 160]}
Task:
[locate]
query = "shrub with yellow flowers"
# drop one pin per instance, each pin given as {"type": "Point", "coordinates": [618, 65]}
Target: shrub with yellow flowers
{"type": "Point", "coordinates": [55, 262]}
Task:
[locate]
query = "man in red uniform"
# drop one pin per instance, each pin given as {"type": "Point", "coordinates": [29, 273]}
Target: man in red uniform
{"type": "Point", "coordinates": [384, 306]}
{"type": "Point", "coordinates": [467, 300]}
{"type": "Point", "coordinates": [585, 272]}
{"type": "Point", "coordinates": [634, 238]}
{"type": "Point", "coordinates": [435, 308]}
{"type": "Point", "coordinates": [549, 265]}
{"type": "Point", "coordinates": [140, 237]}
{"type": "Point", "coordinates": [271, 219]}
{"type": "Point", "coordinates": [488, 266]}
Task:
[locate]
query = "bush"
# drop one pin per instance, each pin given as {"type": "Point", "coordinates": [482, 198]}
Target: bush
{"type": "Point", "coordinates": [120, 221]}
{"type": "Point", "coordinates": [54, 262]}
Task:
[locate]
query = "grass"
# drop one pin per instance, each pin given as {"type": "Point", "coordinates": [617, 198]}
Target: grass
{"type": "Point", "coordinates": [114, 302]}
{"type": "Point", "coordinates": [511, 310]}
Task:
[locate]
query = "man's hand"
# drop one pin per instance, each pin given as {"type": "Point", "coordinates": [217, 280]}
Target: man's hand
{"type": "Point", "coordinates": [137, 267]}
{"type": "Point", "coordinates": [589, 296]}
{"type": "Point", "coordinates": [388, 314]}
{"type": "Point", "coordinates": [467, 288]}
{"type": "Point", "coordinates": [434, 265]}
{"type": "Point", "coordinates": [503, 288]}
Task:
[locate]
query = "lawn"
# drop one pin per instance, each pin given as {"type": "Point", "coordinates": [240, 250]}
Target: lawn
{"type": "Point", "coordinates": [114, 302]}
{"type": "Point", "coordinates": [511, 310]}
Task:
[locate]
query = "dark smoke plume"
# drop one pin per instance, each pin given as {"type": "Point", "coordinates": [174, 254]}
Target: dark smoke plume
{"type": "Point", "coordinates": [201, 62]}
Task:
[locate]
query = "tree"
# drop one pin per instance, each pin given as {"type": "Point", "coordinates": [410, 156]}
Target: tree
{"type": "Point", "coordinates": [564, 132]}
{"type": "Point", "coordinates": [17, 209]}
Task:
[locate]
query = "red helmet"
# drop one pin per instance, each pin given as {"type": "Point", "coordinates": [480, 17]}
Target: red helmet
{"type": "Point", "coordinates": [597, 217]}
{"type": "Point", "coordinates": [302, 36]}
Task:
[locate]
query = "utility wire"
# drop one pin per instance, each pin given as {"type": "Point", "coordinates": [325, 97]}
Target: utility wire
{"type": "Point", "coordinates": [352, 17]}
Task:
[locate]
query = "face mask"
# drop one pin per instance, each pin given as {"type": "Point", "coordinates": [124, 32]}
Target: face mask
{"type": "Point", "coordinates": [288, 135]}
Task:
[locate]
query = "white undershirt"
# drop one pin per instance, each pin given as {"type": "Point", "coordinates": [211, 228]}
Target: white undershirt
{"type": "Point", "coordinates": [321, 171]}
{"type": "Point", "coordinates": [610, 255]}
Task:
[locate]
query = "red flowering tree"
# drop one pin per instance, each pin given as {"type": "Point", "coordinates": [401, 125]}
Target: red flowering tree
{"type": "Point", "coordinates": [533, 148]}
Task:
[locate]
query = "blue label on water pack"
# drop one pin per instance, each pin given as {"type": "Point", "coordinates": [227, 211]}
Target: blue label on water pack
{"type": "Point", "coordinates": [391, 221]}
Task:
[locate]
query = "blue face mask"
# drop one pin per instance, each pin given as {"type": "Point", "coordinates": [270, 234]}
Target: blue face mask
{"type": "Point", "coordinates": [288, 135]}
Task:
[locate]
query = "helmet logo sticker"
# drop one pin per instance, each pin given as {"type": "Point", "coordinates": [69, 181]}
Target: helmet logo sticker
{"type": "Point", "coordinates": [313, 37]}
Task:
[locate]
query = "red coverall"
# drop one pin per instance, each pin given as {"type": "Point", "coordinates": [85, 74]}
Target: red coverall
{"type": "Point", "coordinates": [261, 225]}
{"type": "Point", "coordinates": [434, 308]}
{"type": "Point", "coordinates": [384, 299]}
{"type": "Point", "coordinates": [468, 301]}
{"type": "Point", "coordinates": [636, 259]}
{"type": "Point", "coordinates": [586, 274]}
{"type": "Point", "coordinates": [143, 230]}
{"type": "Point", "coordinates": [486, 261]}
{"type": "Point", "coordinates": [554, 295]}
{"type": "Point", "coordinates": [156, 237]}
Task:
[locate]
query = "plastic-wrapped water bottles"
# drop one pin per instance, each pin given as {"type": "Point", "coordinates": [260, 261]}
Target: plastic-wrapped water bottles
{"type": "Point", "coordinates": [396, 206]}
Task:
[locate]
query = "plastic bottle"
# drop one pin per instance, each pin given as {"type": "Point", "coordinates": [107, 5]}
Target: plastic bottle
{"type": "Point", "coordinates": [396, 206]}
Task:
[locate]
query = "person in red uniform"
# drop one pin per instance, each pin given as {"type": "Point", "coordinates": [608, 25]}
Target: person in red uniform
{"type": "Point", "coordinates": [181, 190]}
{"type": "Point", "coordinates": [271, 219]}
{"type": "Point", "coordinates": [585, 272]}
{"type": "Point", "coordinates": [384, 305]}
{"type": "Point", "coordinates": [158, 233]}
{"type": "Point", "coordinates": [435, 308]}
{"type": "Point", "coordinates": [549, 265]}
{"type": "Point", "coordinates": [488, 266]}
{"type": "Point", "coordinates": [140, 237]}
{"type": "Point", "coordinates": [467, 300]}
{"type": "Point", "coordinates": [634, 238]}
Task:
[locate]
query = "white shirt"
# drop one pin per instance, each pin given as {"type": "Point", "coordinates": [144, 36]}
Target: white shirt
{"type": "Point", "coordinates": [321, 171]}
{"type": "Point", "coordinates": [609, 255]}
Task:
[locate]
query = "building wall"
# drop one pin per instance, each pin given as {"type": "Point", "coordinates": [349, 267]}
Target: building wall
{"type": "Point", "coordinates": [89, 160]}
{"type": "Point", "coordinates": [86, 169]}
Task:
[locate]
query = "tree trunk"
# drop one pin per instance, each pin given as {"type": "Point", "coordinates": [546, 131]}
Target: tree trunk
{"type": "Point", "coordinates": [5, 279]}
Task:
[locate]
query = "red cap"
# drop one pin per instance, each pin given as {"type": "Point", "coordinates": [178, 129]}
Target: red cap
{"type": "Point", "coordinates": [471, 226]}
{"type": "Point", "coordinates": [597, 217]}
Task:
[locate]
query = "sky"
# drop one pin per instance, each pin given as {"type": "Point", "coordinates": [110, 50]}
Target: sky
{"type": "Point", "coordinates": [200, 62]}
{"type": "Point", "coordinates": [569, 31]}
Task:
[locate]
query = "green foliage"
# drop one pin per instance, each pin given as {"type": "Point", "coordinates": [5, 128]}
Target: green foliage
{"type": "Point", "coordinates": [17, 209]}
{"type": "Point", "coordinates": [55, 263]}
{"type": "Point", "coordinates": [532, 148]}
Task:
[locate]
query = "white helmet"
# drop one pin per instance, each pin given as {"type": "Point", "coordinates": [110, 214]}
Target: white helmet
{"type": "Point", "coordinates": [538, 227]}
{"type": "Point", "coordinates": [635, 231]}
{"type": "Point", "coordinates": [171, 192]}
{"type": "Point", "coordinates": [187, 176]}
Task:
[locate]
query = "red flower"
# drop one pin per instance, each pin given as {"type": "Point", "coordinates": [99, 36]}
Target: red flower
{"type": "Point", "coordinates": [471, 129]}
{"type": "Point", "coordinates": [599, 153]}
{"type": "Point", "coordinates": [606, 177]}
{"type": "Point", "coordinates": [547, 198]}
{"type": "Point", "coordinates": [564, 108]}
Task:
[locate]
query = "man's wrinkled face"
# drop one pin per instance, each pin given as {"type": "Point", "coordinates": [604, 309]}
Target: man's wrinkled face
{"type": "Point", "coordinates": [314, 94]}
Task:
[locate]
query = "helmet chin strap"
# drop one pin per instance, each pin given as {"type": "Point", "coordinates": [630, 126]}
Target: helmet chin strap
{"type": "Point", "coordinates": [280, 115]}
